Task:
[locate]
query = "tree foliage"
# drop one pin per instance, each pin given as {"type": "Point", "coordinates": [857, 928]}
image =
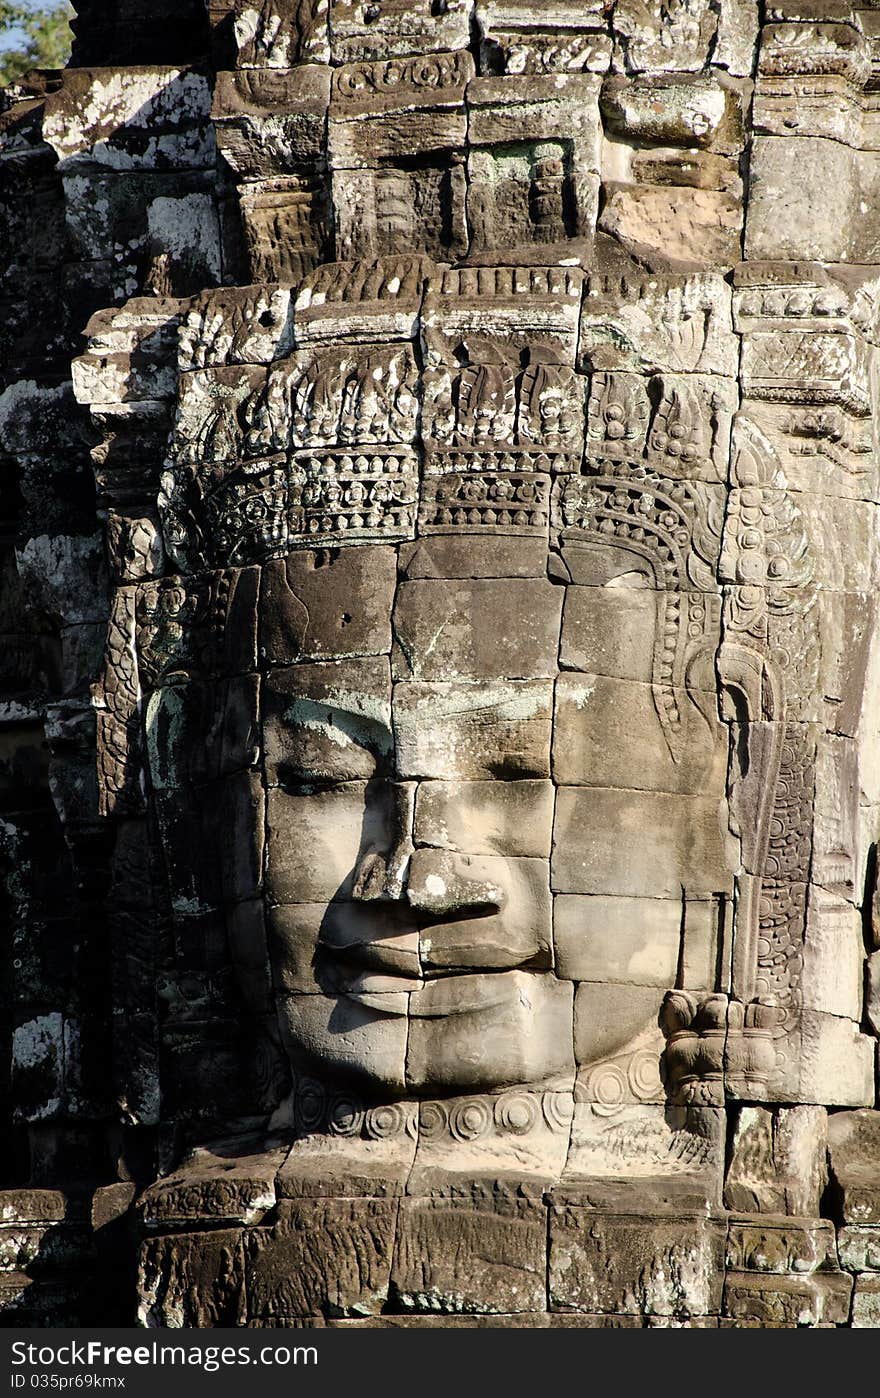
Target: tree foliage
{"type": "Point", "coordinates": [33, 36]}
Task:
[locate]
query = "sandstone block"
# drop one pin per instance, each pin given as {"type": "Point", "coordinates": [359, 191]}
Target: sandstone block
{"type": "Point", "coordinates": [213, 1189]}
{"type": "Point", "coordinates": [866, 1304]}
{"type": "Point", "coordinates": [450, 1257]}
{"type": "Point", "coordinates": [444, 556]}
{"type": "Point", "coordinates": [608, 733]}
{"type": "Point", "coordinates": [701, 226]}
{"type": "Point", "coordinates": [607, 1018]}
{"type": "Point", "coordinates": [836, 1061]}
{"type": "Point", "coordinates": [781, 1246]}
{"type": "Point", "coordinates": [450, 730]}
{"type": "Point", "coordinates": [512, 818]}
{"type": "Point", "coordinates": [314, 841]}
{"type": "Point", "coordinates": [480, 911]}
{"type": "Point", "coordinates": [788, 1301]}
{"type": "Point", "coordinates": [484, 1030]}
{"type": "Point", "coordinates": [348, 1037]}
{"type": "Point", "coordinates": [778, 1161]}
{"type": "Point", "coordinates": [609, 631]}
{"type": "Point", "coordinates": [788, 215]}
{"type": "Point", "coordinates": [327, 722]}
{"type": "Point", "coordinates": [859, 1247]}
{"type": "Point", "coordinates": [621, 1148]}
{"type": "Point", "coordinates": [319, 607]}
{"type": "Point", "coordinates": [853, 1141]}
{"type": "Point", "coordinates": [328, 1257]}
{"type": "Point", "coordinates": [192, 1279]}
{"type": "Point", "coordinates": [833, 954]}
{"type": "Point", "coordinates": [616, 1263]}
{"type": "Point", "coordinates": [457, 631]}
{"type": "Point", "coordinates": [631, 940]}
{"type": "Point", "coordinates": [636, 844]}
{"type": "Point", "coordinates": [347, 1166]}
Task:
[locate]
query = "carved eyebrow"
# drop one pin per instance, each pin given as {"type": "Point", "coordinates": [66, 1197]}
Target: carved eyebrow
{"type": "Point", "coordinates": [634, 579]}
{"type": "Point", "coordinates": [508, 701]}
{"type": "Point", "coordinates": [369, 730]}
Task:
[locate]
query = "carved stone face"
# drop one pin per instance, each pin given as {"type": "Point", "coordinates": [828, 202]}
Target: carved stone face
{"type": "Point", "coordinates": [478, 683]}
{"type": "Point", "coordinates": [489, 849]}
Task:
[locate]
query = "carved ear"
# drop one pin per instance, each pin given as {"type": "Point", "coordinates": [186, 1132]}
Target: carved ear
{"type": "Point", "coordinates": [752, 700]}
{"type": "Point", "coordinates": [750, 683]}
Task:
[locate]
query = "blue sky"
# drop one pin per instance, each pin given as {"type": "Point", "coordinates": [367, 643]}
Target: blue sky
{"type": "Point", "coordinates": [10, 36]}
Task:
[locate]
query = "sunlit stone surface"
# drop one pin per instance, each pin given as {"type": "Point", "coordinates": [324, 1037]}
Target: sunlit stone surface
{"type": "Point", "coordinates": [460, 689]}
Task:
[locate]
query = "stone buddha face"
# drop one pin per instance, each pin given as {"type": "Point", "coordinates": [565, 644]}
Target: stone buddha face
{"type": "Point", "coordinates": [467, 764]}
{"type": "Point", "coordinates": [494, 825]}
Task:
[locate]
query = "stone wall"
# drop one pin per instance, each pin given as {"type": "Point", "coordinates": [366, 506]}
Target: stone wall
{"type": "Point", "coordinates": [617, 262]}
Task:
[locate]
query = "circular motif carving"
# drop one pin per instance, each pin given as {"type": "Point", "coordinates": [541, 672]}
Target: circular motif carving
{"type": "Point", "coordinates": [643, 1074]}
{"type": "Point", "coordinates": [470, 1120]}
{"type": "Point", "coordinates": [385, 1121]}
{"type": "Point", "coordinates": [558, 1109]}
{"type": "Point", "coordinates": [607, 1089]}
{"type": "Point", "coordinates": [345, 1117]}
{"type": "Point", "coordinates": [516, 1113]}
{"type": "Point", "coordinates": [310, 1104]}
{"type": "Point", "coordinates": [433, 1120]}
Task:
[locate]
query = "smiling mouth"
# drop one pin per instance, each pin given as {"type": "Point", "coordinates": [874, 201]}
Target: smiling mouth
{"type": "Point", "coordinates": [432, 994]}
{"type": "Point", "coordinates": [397, 965]}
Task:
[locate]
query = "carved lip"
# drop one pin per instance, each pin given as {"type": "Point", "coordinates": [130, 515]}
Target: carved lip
{"type": "Point", "coordinates": [431, 996]}
{"type": "Point", "coordinates": [466, 992]}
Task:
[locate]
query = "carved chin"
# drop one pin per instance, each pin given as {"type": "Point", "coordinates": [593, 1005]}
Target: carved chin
{"type": "Point", "coordinates": [461, 1032]}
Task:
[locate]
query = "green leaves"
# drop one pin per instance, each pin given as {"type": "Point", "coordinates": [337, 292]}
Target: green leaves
{"type": "Point", "coordinates": [33, 37]}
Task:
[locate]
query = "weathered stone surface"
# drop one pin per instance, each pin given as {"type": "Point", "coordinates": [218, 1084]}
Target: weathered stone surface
{"type": "Point", "coordinates": [198, 732]}
{"type": "Point", "coordinates": [444, 556]}
{"type": "Point", "coordinates": [852, 1142]}
{"type": "Point", "coordinates": [445, 729]}
{"type": "Point", "coordinates": [704, 224]}
{"type": "Point", "coordinates": [521, 1320]}
{"type": "Point", "coordinates": [609, 631]}
{"type": "Point", "coordinates": [780, 1246]}
{"type": "Point", "coordinates": [209, 1186]}
{"type": "Point", "coordinates": [327, 722]}
{"type": "Point", "coordinates": [455, 631]}
{"type": "Point", "coordinates": [857, 1245]}
{"type": "Point", "coordinates": [607, 1018]}
{"type": "Point", "coordinates": [470, 827]}
{"type": "Point", "coordinates": [349, 1034]}
{"type": "Point", "coordinates": [620, 1147]}
{"type": "Point", "coordinates": [298, 933]}
{"type": "Point", "coordinates": [307, 600]}
{"type": "Point", "coordinates": [865, 1305]}
{"type": "Point", "coordinates": [836, 1062]}
{"type": "Point", "coordinates": [451, 1257]}
{"type": "Point", "coordinates": [607, 732]}
{"type": "Point", "coordinates": [511, 897]}
{"type": "Point", "coordinates": [327, 1257]}
{"type": "Point", "coordinates": [192, 1279]}
{"type": "Point", "coordinates": [347, 1166]}
{"type": "Point", "coordinates": [636, 844]}
{"type": "Point", "coordinates": [512, 818]}
{"type": "Point", "coordinates": [778, 1162]}
{"type": "Point", "coordinates": [613, 1263]}
{"type": "Point", "coordinates": [788, 1301]}
{"type": "Point", "coordinates": [633, 940]}
{"type": "Point", "coordinates": [833, 955]}
{"type": "Point", "coordinates": [484, 1029]}
{"type": "Point", "coordinates": [788, 216]}
{"type": "Point", "coordinates": [512, 1144]}
{"type": "Point", "coordinates": [329, 829]}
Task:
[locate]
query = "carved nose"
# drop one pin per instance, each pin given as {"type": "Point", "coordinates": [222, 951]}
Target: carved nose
{"type": "Point", "coordinates": [381, 875]}
{"type": "Point", "coordinates": [445, 885]}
